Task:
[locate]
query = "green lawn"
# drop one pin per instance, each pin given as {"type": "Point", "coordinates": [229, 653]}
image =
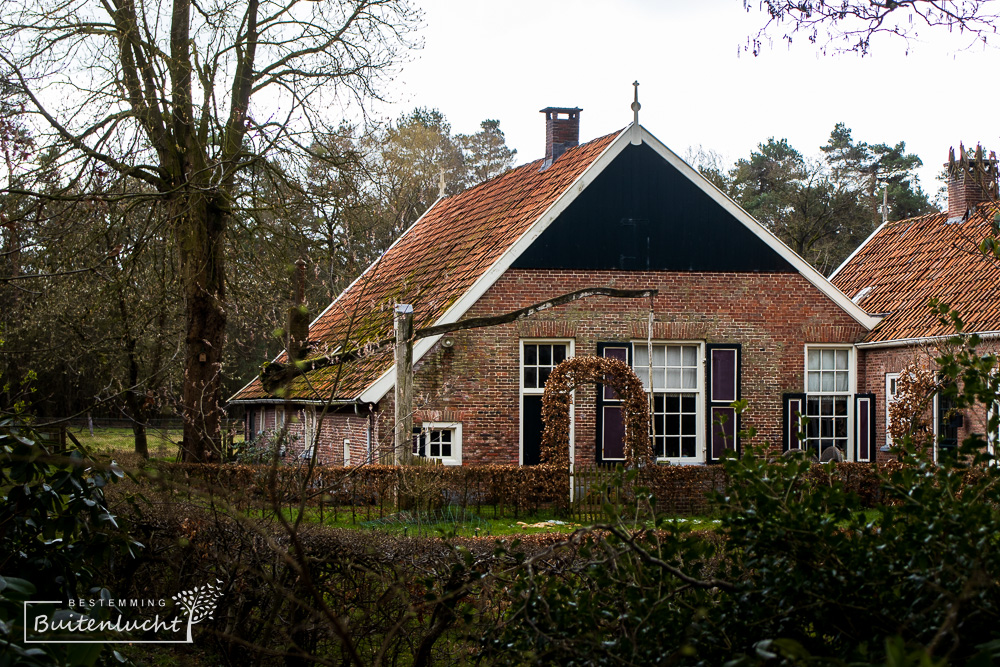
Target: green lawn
{"type": "Point", "coordinates": [162, 443]}
{"type": "Point", "coordinates": [446, 521]}
{"type": "Point", "coordinates": [453, 521]}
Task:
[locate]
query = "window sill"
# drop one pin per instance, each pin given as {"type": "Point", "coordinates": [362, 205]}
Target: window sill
{"type": "Point", "coordinates": [680, 462]}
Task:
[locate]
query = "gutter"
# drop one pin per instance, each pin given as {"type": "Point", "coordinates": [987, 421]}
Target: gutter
{"type": "Point", "coordinates": [288, 401]}
{"type": "Point", "coordinates": [923, 340]}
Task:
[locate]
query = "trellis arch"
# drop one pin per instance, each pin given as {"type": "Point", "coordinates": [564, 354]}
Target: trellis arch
{"type": "Point", "coordinates": [614, 373]}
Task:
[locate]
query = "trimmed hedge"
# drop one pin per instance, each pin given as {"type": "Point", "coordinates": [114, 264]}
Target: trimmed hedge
{"type": "Point", "coordinates": [375, 490]}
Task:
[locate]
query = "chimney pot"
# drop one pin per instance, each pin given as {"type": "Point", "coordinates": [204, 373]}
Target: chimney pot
{"type": "Point", "coordinates": [972, 180]}
{"type": "Point", "coordinates": [562, 131]}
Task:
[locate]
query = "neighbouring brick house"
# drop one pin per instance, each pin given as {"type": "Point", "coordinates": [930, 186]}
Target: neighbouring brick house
{"type": "Point", "coordinates": [904, 264]}
{"type": "Point", "coordinates": [738, 316]}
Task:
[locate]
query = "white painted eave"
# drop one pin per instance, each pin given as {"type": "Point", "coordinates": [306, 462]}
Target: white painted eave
{"type": "Point", "coordinates": [857, 250]}
{"type": "Point", "coordinates": [381, 387]}
{"type": "Point", "coordinates": [289, 401]}
{"type": "Point", "coordinates": [802, 266]}
{"type": "Point", "coordinates": [926, 340]}
{"type": "Point", "coordinates": [371, 267]}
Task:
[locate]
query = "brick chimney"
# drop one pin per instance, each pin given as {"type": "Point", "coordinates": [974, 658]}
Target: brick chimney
{"type": "Point", "coordinates": [562, 131]}
{"type": "Point", "coordinates": [972, 180]}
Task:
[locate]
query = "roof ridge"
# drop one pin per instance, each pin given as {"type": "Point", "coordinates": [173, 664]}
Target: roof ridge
{"type": "Point", "coordinates": [513, 170]}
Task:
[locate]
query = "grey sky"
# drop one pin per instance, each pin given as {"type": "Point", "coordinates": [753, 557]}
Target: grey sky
{"type": "Point", "coordinates": [509, 59]}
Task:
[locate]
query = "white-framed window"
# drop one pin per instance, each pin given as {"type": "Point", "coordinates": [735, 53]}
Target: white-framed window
{"type": "Point", "coordinates": [993, 434]}
{"type": "Point", "coordinates": [830, 384]}
{"type": "Point", "coordinates": [891, 394]}
{"type": "Point", "coordinates": [538, 360]}
{"type": "Point", "coordinates": [439, 440]}
{"type": "Point", "coordinates": [309, 433]}
{"type": "Point", "coordinates": [947, 422]}
{"type": "Point", "coordinates": [347, 452]}
{"type": "Point", "coordinates": [538, 357]}
{"type": "Point", "coordinates": [676, 398]}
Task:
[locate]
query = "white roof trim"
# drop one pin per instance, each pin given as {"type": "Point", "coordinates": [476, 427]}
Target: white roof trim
{"type": "Point", "coordinates": [381, 387]}
{"type": "Point", "coordinates": [926, 340]}
{"type": "Point", "coordinates": [857, 250]}
{"type": "Point", "coordinates": [342, 293]}
{"type": "Point", "coordinates": [385, 382]}
{"type": "Point", "coordinates": [290, 402]}
{"type": "Point", "coordinates": [765, 235]}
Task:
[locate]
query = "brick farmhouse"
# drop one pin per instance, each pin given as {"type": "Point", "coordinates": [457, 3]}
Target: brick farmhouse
{"type": "Point", "coordinates": [737, 315]}
{"type": "Point", "coordinates": [903, 265]}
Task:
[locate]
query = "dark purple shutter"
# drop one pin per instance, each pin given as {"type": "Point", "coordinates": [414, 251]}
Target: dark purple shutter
{"type": "Point", "coordinates": [793, 407]}
{"type": "Point", "coordinates": [621, 354]}
{"type": "Point", "coordinates": [614, 433]}
{"type": "Point", "coordinates": [864, 428]}
{"type": "Point", "coordinates": [723, 365]}
{"type": "Point", "coordinates": [610, 415]}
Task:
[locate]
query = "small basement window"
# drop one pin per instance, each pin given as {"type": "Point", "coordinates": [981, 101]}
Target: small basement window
{"type": "Point", "coordinates": [439, 440]}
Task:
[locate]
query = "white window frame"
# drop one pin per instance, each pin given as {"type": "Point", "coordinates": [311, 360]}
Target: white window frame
{"type": "Point", "coordinates": [850, 393]}
{"type": "Point", "coordinates": [538, 391]}
{"type": "Point", "coordinates": [456, 441]}
{"type": "Point", "coordinates": [935, 421]}
{"type": "Point", "coordinates": [309, 433]}
{"type": "Point", "coordinates": [993, 437]}
{"type": "Point", "coordinates": [890, 398]}
{"type": "Point", "coordinates": [699, 392]}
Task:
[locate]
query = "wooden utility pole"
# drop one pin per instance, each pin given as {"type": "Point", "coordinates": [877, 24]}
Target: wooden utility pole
{"type": "Point", "coordinates": [275, 375]}
{"type": "Point", "coordinates": [403, 442]}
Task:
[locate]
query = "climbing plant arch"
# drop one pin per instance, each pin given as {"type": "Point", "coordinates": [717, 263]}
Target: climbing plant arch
{"type": "Point", "coordinates": [613, 373]}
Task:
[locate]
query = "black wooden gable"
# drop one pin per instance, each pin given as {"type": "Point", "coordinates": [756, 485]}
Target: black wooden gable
{"type": "Point", "coordinates": [641, 213]}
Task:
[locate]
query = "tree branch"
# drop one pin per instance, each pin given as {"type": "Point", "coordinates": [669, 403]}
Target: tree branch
{"type": "Point", "coordinates": [120, 167]}
{"type": "Point", "coordinates": [650, 559]}
{"type": "Point", "coordinates": [275, 374]}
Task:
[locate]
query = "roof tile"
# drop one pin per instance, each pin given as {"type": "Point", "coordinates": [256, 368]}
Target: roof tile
{"type": "Point", "coordinates": [436, 261]}
{"type": "Point", "coordinates": [907, 263]}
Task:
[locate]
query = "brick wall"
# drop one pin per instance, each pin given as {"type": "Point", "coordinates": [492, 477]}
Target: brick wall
{"type": "Point", "coordinates": [773, 315]}
{"type": "Point", "coordinates": [881, 361]}
{"type": "Point", "coordinates": [334, 427]}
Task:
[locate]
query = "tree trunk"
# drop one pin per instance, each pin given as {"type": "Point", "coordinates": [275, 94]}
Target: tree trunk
{"type": "Point", "coordinates": [200, 230]}
{"type": "Point", "coordinates": [135, 407]}
{"type": "Point", "coordinates": [139, 435]}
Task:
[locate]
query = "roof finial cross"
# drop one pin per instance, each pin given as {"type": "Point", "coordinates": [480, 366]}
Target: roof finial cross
{"type": "Point", "coordinates": [636, 138]}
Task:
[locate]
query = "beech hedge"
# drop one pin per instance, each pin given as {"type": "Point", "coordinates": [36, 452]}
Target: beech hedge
{"type": "Point", "coordinates": [375, 489]}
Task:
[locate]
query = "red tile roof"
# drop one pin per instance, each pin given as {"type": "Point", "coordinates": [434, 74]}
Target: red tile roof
{"type": "Point", "coordinates": [907, 263]}
{"type": "Point", "coordinates": [431, 266]}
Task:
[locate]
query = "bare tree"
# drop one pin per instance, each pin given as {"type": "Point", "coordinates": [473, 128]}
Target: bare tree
{"type": "Point", "coordinates": [850, 25]}
{"type": "Point", "coordinates": [183, 97]}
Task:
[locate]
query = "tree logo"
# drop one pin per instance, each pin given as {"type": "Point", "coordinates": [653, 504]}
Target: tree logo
{"type": "Point", "coordinates": [200, 603]}
{"type": "Point", "coordinates": [110, 620]}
